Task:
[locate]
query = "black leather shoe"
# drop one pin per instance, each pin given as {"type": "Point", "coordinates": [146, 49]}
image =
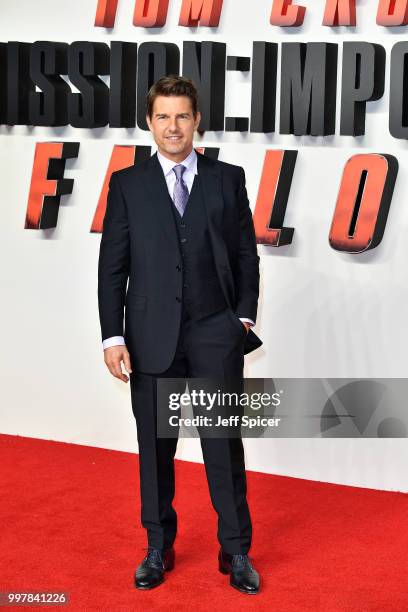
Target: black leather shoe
{"type": "Point", "coordinates": [243, 576]}
{"type": "Point", "coordinates": [150, 572]}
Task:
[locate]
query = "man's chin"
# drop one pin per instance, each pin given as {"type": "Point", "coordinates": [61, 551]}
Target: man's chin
{"type": "Point", "coordinates": [175, 148]}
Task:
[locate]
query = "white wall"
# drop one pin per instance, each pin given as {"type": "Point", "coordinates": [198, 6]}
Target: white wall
{"type": "Point", "coordinates": [321, 313]}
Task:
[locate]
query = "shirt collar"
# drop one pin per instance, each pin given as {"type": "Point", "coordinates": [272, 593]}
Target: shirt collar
{"type": "Point", "coordinates": [190, 162]}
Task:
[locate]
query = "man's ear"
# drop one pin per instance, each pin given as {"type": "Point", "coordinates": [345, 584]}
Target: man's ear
{"type": "Point", "coordinates": [148, 121]}
{"type": "Point", "coordinates": [198, 119]}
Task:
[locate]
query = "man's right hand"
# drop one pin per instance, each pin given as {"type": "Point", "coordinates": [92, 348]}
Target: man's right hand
{"type": "Point", "coordinates": [114, 355]}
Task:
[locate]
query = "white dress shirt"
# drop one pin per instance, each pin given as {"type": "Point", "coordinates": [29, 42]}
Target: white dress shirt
{"type": "Point", "coordinates": [190, 162]}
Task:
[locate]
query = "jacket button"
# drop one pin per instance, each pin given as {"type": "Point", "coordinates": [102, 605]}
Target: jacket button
{"type": "Point", "coordinates": [178, 299]}
{"type": "Point", "coordinates": [183, 240]}
{"type": "Point", "coordinates": [178, 268]}
{"type": "Point", "coordinates": [183, 225]}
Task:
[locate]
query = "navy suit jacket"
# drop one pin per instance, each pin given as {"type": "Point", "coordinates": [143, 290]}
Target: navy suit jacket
{"type": "Point", "coordinates": [139, 247]}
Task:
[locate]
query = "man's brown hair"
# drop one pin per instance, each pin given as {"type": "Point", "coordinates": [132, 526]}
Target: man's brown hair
{"type": "Point", "coordinates": [172, 85]}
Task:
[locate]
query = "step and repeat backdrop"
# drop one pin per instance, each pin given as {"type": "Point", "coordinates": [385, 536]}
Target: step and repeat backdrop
{"type": "Point", "coordinates": [311, 99]}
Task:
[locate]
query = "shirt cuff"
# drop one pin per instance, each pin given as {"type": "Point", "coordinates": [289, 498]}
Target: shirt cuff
{"type": "Point", "coordinates": [113, 341]}
{"type": "Point", "coordinates": [247, 320]}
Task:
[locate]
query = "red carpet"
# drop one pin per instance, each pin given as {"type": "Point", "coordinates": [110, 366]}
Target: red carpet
{"type": "Point", "coordinates": [70, 522]}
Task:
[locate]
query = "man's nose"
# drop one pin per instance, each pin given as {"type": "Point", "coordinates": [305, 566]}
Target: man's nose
{"type": "Point", "coordinates": [173, 125]}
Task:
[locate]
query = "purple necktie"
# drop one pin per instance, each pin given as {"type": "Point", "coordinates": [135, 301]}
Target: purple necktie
{"type": "Point", "coordinates": [180, 193]}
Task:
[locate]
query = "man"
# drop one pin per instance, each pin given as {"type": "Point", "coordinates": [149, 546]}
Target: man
{"type": "Point", "coordinates": [178, 226]}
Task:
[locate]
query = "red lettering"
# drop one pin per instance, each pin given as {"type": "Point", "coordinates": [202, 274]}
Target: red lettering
{"type": "Point", "coordinates": [285, 14]}
{"type": "Point", "coordinates": [272, 199]}
{"type": "Point", "coordinates": [340, 13]}
{"type": "Point", "coordinates": [150, 13]}
{"type": "Point", "coordinates": [200, 12]}
{"type": "Point", "coordinates": [48, 183]}
{"type": "Point", "coordinates": [392, 12]}
{"type": "Point", "coordinates": [363, 202]}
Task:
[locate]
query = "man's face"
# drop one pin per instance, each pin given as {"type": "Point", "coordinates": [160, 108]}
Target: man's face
{"type": "Point", "coordinates": [173, 126]}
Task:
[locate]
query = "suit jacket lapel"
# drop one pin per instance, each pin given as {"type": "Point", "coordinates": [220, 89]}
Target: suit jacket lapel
{"type": "Point", "coordinates": [211, 184]}
{"type": "Point", "coordinates": [160, 198]}
{"type": "Point", "coordinates": [211, 190]}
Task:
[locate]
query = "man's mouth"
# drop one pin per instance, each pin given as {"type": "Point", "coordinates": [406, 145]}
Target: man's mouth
{"type": "Point", "coordinates": [173, 137]}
